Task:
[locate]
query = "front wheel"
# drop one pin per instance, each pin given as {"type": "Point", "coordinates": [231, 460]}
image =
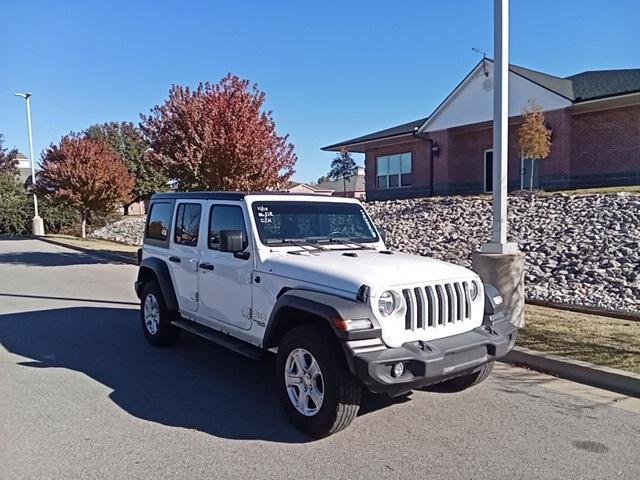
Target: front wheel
{"type": "Point", "coordinates": [156, 317]}
{"type": "Point", "coordinates": [315, 386]}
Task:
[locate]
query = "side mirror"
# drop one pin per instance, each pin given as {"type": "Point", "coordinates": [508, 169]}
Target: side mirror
{"type": "Point", "coordinates": [382, 232]}
{"type": "Point", "coordinates": [231, 241]}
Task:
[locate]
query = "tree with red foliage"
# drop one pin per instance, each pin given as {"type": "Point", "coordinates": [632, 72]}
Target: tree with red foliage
{"type": "Point", "coordinates": [8, 159]}
{"type": "Point", "coordinates": [217, 137]}
{"type": "Point", "coordinates": [85, 174]}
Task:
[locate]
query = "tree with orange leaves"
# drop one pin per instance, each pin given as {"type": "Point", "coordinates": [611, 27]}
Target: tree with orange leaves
{"type": "Point", "coordinates": [534, 138]}
{"type": "Point", "coordinates": [218, 137]}
{"type": "Point", "coordinates": [85, 174]}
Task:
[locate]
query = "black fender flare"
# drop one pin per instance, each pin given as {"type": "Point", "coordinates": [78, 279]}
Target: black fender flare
{"type": "Point", "coordinates": [494, 312]}
{"type": "Point", "coordinates": [330, 308]}
{"type": "Point", "coordinates": [161, 270]}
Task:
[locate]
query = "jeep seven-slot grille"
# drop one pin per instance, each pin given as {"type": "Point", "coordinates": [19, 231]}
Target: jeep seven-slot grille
{"type": "Point", "coordinates": [436, 305]}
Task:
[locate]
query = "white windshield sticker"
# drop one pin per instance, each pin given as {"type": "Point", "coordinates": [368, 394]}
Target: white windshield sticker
{"type": "Point", "coordinates": [264, 214]}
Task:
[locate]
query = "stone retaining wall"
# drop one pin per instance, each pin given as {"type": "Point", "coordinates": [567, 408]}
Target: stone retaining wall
{"type": "Point", "coordinates": [580, 249]}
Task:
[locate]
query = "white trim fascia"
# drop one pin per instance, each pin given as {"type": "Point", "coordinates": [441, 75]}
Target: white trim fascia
{"type": "Point", "coordinates": [470, 76]}
{"type": "Point", "coordinates": [604, 103]}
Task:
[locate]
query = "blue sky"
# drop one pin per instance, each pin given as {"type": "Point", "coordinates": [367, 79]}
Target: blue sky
{"type": "Point", "coordinates": [332, 70]}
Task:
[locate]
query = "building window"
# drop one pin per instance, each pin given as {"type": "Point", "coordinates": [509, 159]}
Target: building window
{"type": "Point", "coordinates": [394, 171]}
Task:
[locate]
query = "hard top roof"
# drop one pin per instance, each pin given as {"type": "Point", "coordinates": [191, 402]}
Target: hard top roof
{"type": "Point", "coordinates": [226, 195]}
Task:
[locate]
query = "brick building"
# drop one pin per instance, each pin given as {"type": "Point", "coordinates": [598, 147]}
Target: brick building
{"type": "Point", "coordinates": [594, 117]}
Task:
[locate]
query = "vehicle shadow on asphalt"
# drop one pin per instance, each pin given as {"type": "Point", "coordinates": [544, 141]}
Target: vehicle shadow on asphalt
{"type": "Point", "coordinates": [57, 259]}
{"type": "Point", "coordinates": [194, 384]}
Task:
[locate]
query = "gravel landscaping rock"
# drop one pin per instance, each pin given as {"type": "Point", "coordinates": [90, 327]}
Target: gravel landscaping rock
{"type": "Point", "coordinates": [127, 230]}
{"type": "Point", "coordinates": [579, 249]}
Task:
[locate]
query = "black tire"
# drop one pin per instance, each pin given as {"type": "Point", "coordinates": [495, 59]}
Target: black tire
{"type": "Point", "coordinates": [459, 384]}
{"type": "Point", "coordinates": [166, 333]}
{"type": "Point", "coordinates": [342, 392]}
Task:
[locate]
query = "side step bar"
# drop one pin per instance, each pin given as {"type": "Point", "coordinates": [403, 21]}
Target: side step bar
{"type": "Point", "coordinates": [221, 339]}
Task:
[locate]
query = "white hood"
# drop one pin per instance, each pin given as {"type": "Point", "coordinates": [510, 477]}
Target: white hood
{"type": "Point", "coordinates": [378, 270]}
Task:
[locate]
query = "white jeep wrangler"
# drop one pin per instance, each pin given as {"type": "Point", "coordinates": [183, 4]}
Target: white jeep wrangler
{"type": "Point", "coordinates": [310, 279]}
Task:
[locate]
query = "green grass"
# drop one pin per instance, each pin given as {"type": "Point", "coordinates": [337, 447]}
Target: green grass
{"type": "Point", "coordinates": [103, 246]}
{"type": "Point", "coordinates": [606, 341]}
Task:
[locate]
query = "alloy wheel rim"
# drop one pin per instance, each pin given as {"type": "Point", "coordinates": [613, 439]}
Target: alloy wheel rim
{"type": "Point", "coordinates": [304, 382]}
{"type": "Point", "coordinates": [151, 314]}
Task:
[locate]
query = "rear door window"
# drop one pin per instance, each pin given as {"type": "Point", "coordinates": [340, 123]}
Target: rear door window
{"type": "Point", "coordinates": [187, 224]}
{"type": "Point", "coordinates": [159, 223]}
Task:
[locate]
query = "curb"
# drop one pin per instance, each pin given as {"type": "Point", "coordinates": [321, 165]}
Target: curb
{"type": "Point", "coordinates": [582, 309]}
{"type": "Point", "coordinates": [619, 381]}
{"type": "Point", "coordinates": [90, 251]}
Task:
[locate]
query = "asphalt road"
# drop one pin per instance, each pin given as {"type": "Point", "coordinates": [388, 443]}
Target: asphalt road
{"type": "Point", "coordinates": [82, 395]}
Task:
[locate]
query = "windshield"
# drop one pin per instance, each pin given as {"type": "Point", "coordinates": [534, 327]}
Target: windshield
{"type": "Point", "coordinates": [281, 222]}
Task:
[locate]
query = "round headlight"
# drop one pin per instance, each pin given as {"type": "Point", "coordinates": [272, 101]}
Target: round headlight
{"type": "Point", "coordinates": [473, 290]}
{"type": "Point", "coordinates": [387, 303]}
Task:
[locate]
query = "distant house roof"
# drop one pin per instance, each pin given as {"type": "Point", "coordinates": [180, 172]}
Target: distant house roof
{"type": "Point", "coordinates": [354, 183]}
{"type": "Point", "coordinates": [293, 186]}
{"type": "Point", "coordinates": [581, 87]}
{"type": "Point", "coordinates": [21, 156]}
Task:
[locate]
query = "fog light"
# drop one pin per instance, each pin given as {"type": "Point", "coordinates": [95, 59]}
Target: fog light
{"type": "Point", "coordinates": [397, 370]}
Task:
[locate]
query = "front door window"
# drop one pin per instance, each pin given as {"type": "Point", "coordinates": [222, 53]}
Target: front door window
{"type": "Point", "coordinates": [225, 287]}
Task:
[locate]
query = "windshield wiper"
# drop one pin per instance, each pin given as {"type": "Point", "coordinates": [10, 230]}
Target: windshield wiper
{"type": "Point", "coordinates": [346, 241]}
{"type": "Point", "coordinates": [298, 242]}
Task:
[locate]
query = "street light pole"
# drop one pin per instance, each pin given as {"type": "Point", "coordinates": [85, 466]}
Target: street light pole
{"type": "Point", "coordinates": [499, 263]}
{"type": "Point", "coordinates": [499, 242]}
{"type": "Point", "coordinates": [37, 225]}
{"type": "Point", "coordinates": [500, 122]}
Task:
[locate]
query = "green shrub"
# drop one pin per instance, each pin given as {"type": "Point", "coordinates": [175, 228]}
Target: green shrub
{"type": "Point", "coordinates": [15, 207]}
{"type": "Point", "coordinates": [16, 211]}
{"type": "Point", "coordinates": [59, 218]}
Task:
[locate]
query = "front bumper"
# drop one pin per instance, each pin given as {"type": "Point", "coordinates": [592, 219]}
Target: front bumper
{"type": "Point", "coordinates": [429, 362]}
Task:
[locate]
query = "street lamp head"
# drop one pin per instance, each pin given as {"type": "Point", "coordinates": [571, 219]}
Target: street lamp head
{"type": "Point", "coordinates": [23, 95]}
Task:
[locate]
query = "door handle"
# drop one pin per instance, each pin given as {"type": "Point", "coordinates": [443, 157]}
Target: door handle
{"type": "Point", "coordinates": [175, 259]}
{"type": "Point", "coordinates": [206, 266]}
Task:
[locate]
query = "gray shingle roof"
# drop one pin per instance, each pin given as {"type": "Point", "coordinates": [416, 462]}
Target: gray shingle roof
{"type": "Point", "coordinates": [604, 83]}
{"type": "Point", "coordinates": [561, 86]}
{"type": "Point", "coordinates": [403, 129]}
{"type": "Point", "coordinates": [587, 85]}
{"type": "Point", "coordinates": [590, 85]}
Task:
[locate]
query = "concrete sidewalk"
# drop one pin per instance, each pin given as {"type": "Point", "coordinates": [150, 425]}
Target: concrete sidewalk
{"type": "Point", "coordinates": [620, 381]}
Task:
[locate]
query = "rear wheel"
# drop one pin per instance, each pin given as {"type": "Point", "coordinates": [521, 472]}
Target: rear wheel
{"type": "Point", "coordinates": [315, 386]}
{"type": "Point", "coordinates": [156, 317]}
